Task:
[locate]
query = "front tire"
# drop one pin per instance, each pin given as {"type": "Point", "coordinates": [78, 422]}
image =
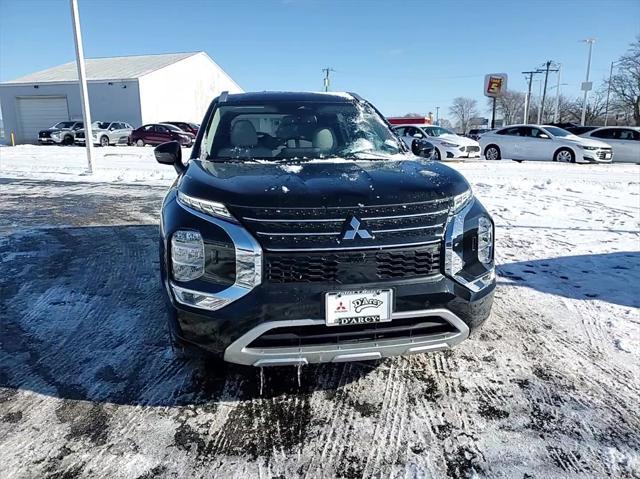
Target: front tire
{"type": "Point", "coordinates": [68, 140]}
{"type": "Point", "coordinates": [436, 155]}
{"type": "Point", "coordinates": [564, 155]}
{"type": "Point", "coordinates": [492, 153]}
{"type": "Point", "coordinates": [140, 142]}
{"type": "Point", "coordinates": [104, 141]}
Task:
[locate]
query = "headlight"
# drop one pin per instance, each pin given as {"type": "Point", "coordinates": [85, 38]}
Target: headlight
{"type": "Point", "coordinates": [187, 255]}
{"type": "Point", "coordinates": [449, 145]}
{"type": "Point", "coordinates": [461, 200]}
{"type": "Point", "coordinates": [592, 148]}
{"type": "Point", "coordinates": [485, 240]}
{"type": "Point", "coordinates": [207, 207]}
{"type": "Point", "coordinates": [55, 134]}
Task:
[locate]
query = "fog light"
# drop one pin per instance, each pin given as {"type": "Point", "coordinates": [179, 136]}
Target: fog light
{"type": "Point", "coordinates": [485, 240]}
{"type": "Point", "coordinates": [187, 255]}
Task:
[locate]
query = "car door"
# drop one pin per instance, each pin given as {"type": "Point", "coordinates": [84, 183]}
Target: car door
{"type": "Point", "coordinates": [629, 140]}
{"type": "Point", "coordinates": [508, 142]}
{"type": "Point", "coordinates": [537, 144]}
{"type": "Point", "coordinates": [162, 134]}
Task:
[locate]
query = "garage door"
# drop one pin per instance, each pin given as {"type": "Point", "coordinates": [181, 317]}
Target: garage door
{"type": "Point", "coordinates": [39, 113]}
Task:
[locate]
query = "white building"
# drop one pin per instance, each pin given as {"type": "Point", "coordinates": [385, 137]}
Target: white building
{"type": "Point", "coordinates": [134, 89]}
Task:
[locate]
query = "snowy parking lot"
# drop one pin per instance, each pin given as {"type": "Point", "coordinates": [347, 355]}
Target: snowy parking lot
{"type": "Point", "coordinates": [548, 388]}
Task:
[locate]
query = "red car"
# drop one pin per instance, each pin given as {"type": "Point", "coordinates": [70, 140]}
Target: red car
{"type": "Point", "coordinates": [184, 126]}
{"type": "Point", "coordinates": [157, 133]}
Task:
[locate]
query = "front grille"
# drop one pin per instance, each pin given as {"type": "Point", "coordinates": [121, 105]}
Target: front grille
{"type": "Point", "coordinates": [348, 267]}
{"type": "Point", "coordinates": [324, 228]}
{"type": "Point", "coordinates": [317, 335]}
{"type": "Point", "coordinates": [473, 149]}
{"type": "Point", "coordinates": [602, 153]}
{"type": "Point", "coordinates": [45, 134]}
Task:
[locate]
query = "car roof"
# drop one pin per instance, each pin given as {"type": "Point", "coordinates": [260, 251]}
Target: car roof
{"type": "Point", "coordinates": [264, 96]}
{"type": "Point", "coordinates": [616, 126]}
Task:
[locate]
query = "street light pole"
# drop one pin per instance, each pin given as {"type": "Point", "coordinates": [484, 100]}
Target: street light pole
{"type": "Point", "coordinates": [438, 115]}
{"type": "Point", "coordinates": [586, 87]}
{"type": "Point", "coordinates": [82, 79]}
{"type": "Point", "coordinates": [544, 92]}
{"type": "Point", "coordinates": [556, 111]}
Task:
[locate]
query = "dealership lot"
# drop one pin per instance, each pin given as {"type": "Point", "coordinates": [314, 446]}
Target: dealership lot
{"type": "Point", "coordinates": [89, 387]}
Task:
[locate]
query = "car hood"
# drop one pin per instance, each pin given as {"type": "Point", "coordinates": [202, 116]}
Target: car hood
{"type": "Point", "coordinates": [457, 139]}
{"type": "Point", "coordinates": [586, 141]}
{"type": "Point", "coordinates": [54, 130]}
{"type": "Point", "coordinates": [321, 182]}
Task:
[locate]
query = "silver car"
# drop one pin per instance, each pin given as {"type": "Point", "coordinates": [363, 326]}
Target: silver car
{"type": "Point", "coordinates": [107, 133]}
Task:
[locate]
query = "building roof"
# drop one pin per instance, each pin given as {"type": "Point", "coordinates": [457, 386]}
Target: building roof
{"type": "Point", "coordinates": [102, 69]}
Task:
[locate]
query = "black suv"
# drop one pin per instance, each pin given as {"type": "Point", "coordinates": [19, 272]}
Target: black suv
{"type": "Point", "coordinates": [302, 230]}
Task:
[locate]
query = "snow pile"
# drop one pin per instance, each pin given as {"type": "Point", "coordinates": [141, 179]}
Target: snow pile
{"type": "Point", "coordinates": [124, 164]}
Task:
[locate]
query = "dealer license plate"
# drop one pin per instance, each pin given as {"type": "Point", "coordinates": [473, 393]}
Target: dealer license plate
{"type": "Point", "coordinates": [358, 307]}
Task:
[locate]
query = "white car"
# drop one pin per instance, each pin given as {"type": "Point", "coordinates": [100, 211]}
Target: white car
{"type": "Point", "coordinates": [107, 133]}
{"type": "Point", "coordinates": [625, 141]}
{"type": "Point", "coordinates": [542, 142]}
{"type": "Point", "coordinates": [447, 144]}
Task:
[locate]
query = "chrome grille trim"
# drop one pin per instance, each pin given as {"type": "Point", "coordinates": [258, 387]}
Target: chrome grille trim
{"type": "Point", "coordinates": [342, 248]}
{"type": "Point", "coordinates": [413, 228]}
{"type": "Point", "coordinates": [276, 233]}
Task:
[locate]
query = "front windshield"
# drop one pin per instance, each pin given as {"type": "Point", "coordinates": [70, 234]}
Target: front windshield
{"type": "Point", "coordinates": [100, 125]}
{"type": "Point", "coordinates": [555, 131]}
{"type": "Point", "coordinates": [171, 127]}
{"type": "Point", "coordinates": [64, 124]}
{"type": "Point", "coordinates": [298, 130]}
{"type": "Point", "coordinates": [438, 131]}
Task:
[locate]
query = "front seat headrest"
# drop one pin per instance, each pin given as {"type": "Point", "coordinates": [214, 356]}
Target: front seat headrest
{"type": "Point", "coordinates": [324, 140]}
{"type": "Point", "coordinates": [243, 133]}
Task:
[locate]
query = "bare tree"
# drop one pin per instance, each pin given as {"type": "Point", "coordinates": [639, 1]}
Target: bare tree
{"type": "Point", "coordinates": [596, 106]}
{"type": "Point", "coordinates": [462, 110]}
{"type": "Point", "coordinates": [625, 84]}
{"type": "Point", "coordinates": [444, 123]}
{"type": "Point", "coordinates": [510, 106]}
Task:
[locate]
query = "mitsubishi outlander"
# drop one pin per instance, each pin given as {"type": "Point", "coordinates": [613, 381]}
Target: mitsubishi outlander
{"type": "Point", "coordinates": [303, 230]}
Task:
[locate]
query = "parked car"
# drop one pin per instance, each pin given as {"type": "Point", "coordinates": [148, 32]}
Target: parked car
{"type": "Point", "coordinates": [157, 133]}
{"type": "Point", "coordinates": [447, 144]}
{"type": "Point", "coordinates": [62, 133]}
{"type": "Point", "coordinates": [294, 236]}
{"type": "Point", "coordinates": [579, 130]}
{"type": "Point", "coordinates": [476, 133]}
{"type": "Point", "coordinates": [184, 126]}
{"type": "Point", "coordinates": [542, 142]}
{"type": "Point", "coordinates": [625, 141]}
{"type": "Point", "coordinates": [107, 133]}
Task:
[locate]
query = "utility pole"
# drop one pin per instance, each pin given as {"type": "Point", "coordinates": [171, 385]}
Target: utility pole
{"type": "Point", "coordinates": [556, 110]}
{"type": "Point", "coordinates": [82, 79]}
{"type": "Point", "coordinates": [438, 115]}
{"type": "Point", "coordinates": [544, 91]}
{"type": "Point", "coordinates": [606, 109]}
{"type": "Point", "coordinates": [327, 80]}
{"type": "Point", "coordinates": [527, 99]}
{"type": "Point", "coordinates": [586, 86]}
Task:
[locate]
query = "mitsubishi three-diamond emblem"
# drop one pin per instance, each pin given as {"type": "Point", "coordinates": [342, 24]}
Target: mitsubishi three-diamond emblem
{"type": "Point", "coordinates": [355, 230]}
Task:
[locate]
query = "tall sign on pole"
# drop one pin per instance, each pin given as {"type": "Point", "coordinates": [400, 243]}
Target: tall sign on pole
{"type": "Point", "coordinates": [495, 84]}
{"type": "Point", "coordinates": [82, 79]}
{"type": "Point", "coordinates": [587, 85]}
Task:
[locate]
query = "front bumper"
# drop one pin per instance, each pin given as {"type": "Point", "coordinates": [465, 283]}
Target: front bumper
{"type": "Point", "coordinates": [461, 152]}
{"type": "Point", "coordinates": [246, 314]}
{"type": "Point", "coordinates": [597, 156]}
{"type": "Point", "coordinates": [49, 141]}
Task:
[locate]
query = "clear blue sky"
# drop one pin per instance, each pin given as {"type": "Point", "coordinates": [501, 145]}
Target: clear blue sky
{"type": "Point", "coordinates": [405, 56]}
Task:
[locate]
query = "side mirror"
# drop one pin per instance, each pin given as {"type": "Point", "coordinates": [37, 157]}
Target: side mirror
{"type": "Point", "coordinates": [422, 148]}
{"type": "Point", "coordinates": [170, 153]}
{"type": "Point", "coordinates": [543, 135]}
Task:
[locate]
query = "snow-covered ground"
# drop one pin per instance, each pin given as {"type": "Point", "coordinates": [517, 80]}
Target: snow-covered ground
{"type": "Point", "coordinates": [88, 388]}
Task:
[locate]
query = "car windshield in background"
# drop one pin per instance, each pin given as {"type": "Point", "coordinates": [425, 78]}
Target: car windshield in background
{"type": "Point", "coordinates": [438, 131]}
{"type": "Point", "coordinates": [555, 131]}
{"type": "Point", "coordinates": [100, 125]}
{"type": "Point", "coordinates": [64, 124]}
{"type": "Point", "coordinates": [298, 130]}
{"type": "Point", "coordinates": [172, 127]}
